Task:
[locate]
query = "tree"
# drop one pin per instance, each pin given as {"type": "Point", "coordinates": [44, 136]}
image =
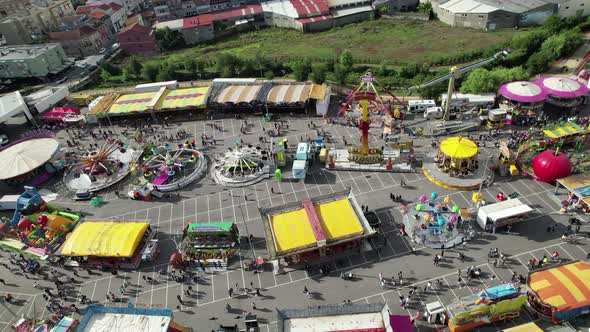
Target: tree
{"type": "Point", "coordinates": [150, 72]}
{"type": "Point", "coordinates": [425, 8]}
{"type": "Point", "coordinates": [111, 69]}
{"type": "Point", "coordinates": [301, 70]}
{"type": "Point", "coordinates": [478, 81]}
{"type": "Point", "coordinates": [104, 75]}
{"type": "Point", "coordinates": [383, 71]}
{"type": "Point", "coordinates": [227, 64]}
{"type": "Point", "coordinates": [553, 24]}
{"type": "Point", "coordinates": [318, 73]}
{"type": "Point", "coordinates": [346, 60]}
{"type": "Point", "coordinates": [482, 80]}
{"type": "Point", "coordinates": [539, 61]}
{"type": "Point", "coordinates": [167, 72]}
{"type": "Point", "coordinates": [170, 39]}
{"type": "Point", "coordinates": [340, 74]}
{"type": "Point", "coordinates": [190, 64]}
{"type": "Point", "coordinates": [133, 67]}
{"type": "Point", "coordinates": [269, 74]}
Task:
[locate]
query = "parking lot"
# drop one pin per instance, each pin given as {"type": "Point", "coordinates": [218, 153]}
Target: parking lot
{"type": "Point", "coordinates": [205, 202]}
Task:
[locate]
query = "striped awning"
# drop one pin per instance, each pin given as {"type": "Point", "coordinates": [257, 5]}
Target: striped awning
{"type": "Point", "coordinates": [564, 130]}
{"type": "Point", "coordinates": [238, 94]}
{"type": "Point", "coordinates": [289, 93]}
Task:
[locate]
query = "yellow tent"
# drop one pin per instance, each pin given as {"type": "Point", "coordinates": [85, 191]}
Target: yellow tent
{"type": "Point", "coordinates": [104, 239]}
{"type": "Point", "coordinates": [458, 148]}
{"type": "Point", "coordinates": [528, 327]}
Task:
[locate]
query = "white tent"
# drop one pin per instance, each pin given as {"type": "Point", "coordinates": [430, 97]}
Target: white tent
{"type": "Point", "coordinates": [26, 156]}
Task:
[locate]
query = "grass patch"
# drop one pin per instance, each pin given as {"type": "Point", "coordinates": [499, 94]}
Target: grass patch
{"type": "Point", "coordinates": [395, 41]}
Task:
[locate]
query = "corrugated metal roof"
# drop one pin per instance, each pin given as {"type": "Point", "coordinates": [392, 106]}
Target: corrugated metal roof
{"type": "Point", "coordinates": [350, 11]}
{"type": "Point", "coordinates": [467, 6]}
{"type": "Point", "coordinates": [488, 6]}
{"type": "Point", "coordinates": [337, 3]}
{"type": "Point", "coordinates": [281, 7]}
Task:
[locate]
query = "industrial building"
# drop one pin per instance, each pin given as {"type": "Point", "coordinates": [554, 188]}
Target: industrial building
{"type": "Point", "coordinates": [494, 14]}
{"type": "Point", "coordinates": [40, 61]}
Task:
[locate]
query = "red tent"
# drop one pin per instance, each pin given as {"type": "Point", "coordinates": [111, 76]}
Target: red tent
{"type": "Point", "coordinates": [550, 165]}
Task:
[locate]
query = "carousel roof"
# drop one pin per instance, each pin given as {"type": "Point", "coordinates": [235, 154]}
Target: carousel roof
{"type": "Point", "coordinates": [26, 156]}
{"type": "Point", "coordinates": [522, 91]}
{"type": "Point", "coordinates": [562, 87]}
{"type": "Point", "coordinates": [549, 166]}
{"type": "Point", "coordinates": [458, 147]}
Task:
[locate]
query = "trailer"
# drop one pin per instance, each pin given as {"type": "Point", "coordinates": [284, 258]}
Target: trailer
{"type": "Point", "coordinates": [503, 213]}
{"type": "Point", "coordinates": [8, 202]}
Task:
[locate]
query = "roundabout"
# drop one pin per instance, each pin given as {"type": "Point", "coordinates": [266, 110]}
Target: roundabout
{"type": "Point", "coordinates": [241, 166]}
{"type": "Point", "coordinates": [100, 168]}
{"type": "Point", "coordinates": [455, 165]}
{"type": "Point", "coordinates": [169, 167]}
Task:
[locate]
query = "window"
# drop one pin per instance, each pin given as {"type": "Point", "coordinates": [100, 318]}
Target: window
{"type": "Point", "coordinates": [464, 15]}
{"type": "Point", "coordinates": [480, 16]}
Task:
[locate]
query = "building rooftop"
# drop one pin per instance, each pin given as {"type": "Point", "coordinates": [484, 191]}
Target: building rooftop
{"type": "Point", "coordinates": [18, 52]}
{"type": "Point", "coordinates": [99, 318]}
{"type": "Point", "coordinates": [488, 6]}
{"type": "Point", "coordinates": [351, 11]}
{"type": "Point", "coordinates": [364, 317]}
{"type": "Point", "coordinates": [11, 104]}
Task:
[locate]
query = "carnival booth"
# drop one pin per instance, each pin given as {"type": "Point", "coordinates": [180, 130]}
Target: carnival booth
{"type": "Point", "coordinates": [560, 292]}
{"type": "Point", "coordinates": [210, 243]}
{"type": "Point", "coordinates": [100, 244]}
{"type": "Point", "coordinates": [522, 100]}
{"type": "Point", "coordinates": [457, 156]}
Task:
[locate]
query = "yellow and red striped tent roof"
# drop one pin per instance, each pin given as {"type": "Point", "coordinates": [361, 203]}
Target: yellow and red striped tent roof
{"type": "Point", "coordinates": [564, 287]}
{"type": "Point", "coordinates": [564, 130]}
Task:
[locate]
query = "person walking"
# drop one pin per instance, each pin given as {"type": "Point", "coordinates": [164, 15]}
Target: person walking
{"type": "Point", "coordinates": [380, 276]}
{"type": "Point", "coordinates": [442, 250]}
{"type": "Point", "coordinates": [253, 306]}
{"type": "Point", "coordinates": [227, 307]}
{"type": "Point", "coordinates": [272, 190]}
{"type": "Point", "coordinates": [305, 290]}
{"type": "Point", "coordinates": [230, 291]}
{"type": "Point", "coordinates": [180, 299]}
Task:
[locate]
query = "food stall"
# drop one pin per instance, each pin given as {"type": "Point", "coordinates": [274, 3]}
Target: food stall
{"type": "Point", "coordinates": [496, 118]}
{"type": "Point", "coordinates": [491, 305]}
{"type": "Point", "coordinates": [209, 243]}
{"type": "Point", "coordinates": [97, 244]}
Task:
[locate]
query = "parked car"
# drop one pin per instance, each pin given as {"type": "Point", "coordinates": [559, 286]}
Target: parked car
{"type": "Point", "coordinates": [102, 50]}
{"type": "Point", "coordinates": [3, 139]}
{"type": "Point", "coordinates": [115, 46]}
{"type": "Point", "coordinates": [61, 80]}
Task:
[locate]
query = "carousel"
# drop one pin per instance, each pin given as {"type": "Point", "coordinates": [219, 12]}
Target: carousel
{"type": "Point", "coordinates": [98, 169]}
{"type": "Point", "coordinates": [457, 156]}
{"type": "Point", "coordinates": [433, 222]}
{"type": "Point", "coordinates": [171, 167]}
{"type": "Point", "coordinates": [563, 93]}
{"type": "Point", "coordinates": [521, 100]}
{"type": "Point", "coordinates": [241, 166]}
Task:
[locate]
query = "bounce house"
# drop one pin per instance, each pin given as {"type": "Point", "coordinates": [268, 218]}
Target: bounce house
{"type": "Point", "coordinates": [36, 227]}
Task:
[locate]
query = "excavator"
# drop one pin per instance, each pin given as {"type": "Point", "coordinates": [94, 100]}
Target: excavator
{"type": "Point", "coordinates": [445, 126]}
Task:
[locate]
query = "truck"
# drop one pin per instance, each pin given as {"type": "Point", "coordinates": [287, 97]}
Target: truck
{"type": "Point", "coordinates": [8, 202]}
{"type": "Point", "coordinates": [419, 106]}
{"type": "Point", "coordinates": [469, 101]}
{"type": "Point", "coordinates": [502, 213]}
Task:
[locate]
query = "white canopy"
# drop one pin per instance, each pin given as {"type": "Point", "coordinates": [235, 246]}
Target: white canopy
{"type": "Point", "coordinates": [26, 156]}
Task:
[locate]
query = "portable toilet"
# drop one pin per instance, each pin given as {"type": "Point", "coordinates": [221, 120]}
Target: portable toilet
{"type": "Point", "coordinates": [303, 150]}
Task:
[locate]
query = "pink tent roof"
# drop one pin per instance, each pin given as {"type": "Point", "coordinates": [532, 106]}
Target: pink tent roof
{"type": "Point", "coordinates": [522, 91]}
{"type": "Point", "coordinates": [562, 87]}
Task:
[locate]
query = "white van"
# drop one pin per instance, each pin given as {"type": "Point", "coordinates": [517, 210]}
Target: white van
{"type": "Point", "coordinates": [419, 106]}
{"type": "Point", "coordinates": [434, 113]}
